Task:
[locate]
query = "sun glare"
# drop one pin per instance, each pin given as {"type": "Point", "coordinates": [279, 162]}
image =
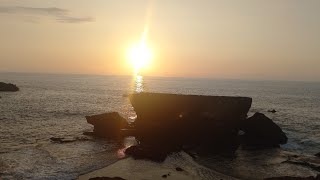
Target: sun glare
{"type": "Point", "coordinates": [140, 55]}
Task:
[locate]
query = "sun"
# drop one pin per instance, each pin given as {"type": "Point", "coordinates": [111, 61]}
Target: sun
{"type": "Point", "coordinates": [140, 55]}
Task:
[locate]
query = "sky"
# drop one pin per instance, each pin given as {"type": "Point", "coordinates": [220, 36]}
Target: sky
{"type": "Point", "coordinates": [247, 39]}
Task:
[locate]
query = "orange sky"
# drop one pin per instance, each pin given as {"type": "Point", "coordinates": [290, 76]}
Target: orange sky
{"type": "Point", "coordinates": [206, 38]}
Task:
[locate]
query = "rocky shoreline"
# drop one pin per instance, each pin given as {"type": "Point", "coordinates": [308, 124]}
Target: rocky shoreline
{"type": "Point", "coordinates": [200, 125]}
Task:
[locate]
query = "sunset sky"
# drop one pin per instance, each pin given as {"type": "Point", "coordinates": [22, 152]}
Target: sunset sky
{"type": "Point", "coordinates": [242, 39]}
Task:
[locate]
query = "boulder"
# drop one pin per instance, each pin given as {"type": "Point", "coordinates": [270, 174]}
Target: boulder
{"type": "Point", "coordinates": [259, 130]}
{"type": "Point", "coordinates": [318, 154]}
{"type": "Point", "coordinates": [8, 87]}
{"type": "Point", "coordinates": [176, 120]}
{"type": "Point", "coordinates": [107, 124]}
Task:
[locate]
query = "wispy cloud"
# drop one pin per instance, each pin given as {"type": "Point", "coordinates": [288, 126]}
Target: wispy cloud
{"type": "Point", "coordinates": [60, 15]}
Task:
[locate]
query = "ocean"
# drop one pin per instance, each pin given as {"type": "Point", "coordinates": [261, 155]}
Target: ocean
{"type": "Point", "coordinates": [49, 105]}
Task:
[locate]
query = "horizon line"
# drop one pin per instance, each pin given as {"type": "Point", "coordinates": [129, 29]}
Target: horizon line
{"type": "Point", "coordinates": [181, 77]}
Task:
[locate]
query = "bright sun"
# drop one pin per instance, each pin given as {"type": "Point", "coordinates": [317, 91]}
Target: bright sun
{"type": "Point", "coordinates": [140, 55]}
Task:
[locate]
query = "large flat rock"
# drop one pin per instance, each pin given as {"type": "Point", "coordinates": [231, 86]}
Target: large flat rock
{"type": "Point", "coordinates": [158, 105]}
{"type": "Point", "coordinates": [189, 118]}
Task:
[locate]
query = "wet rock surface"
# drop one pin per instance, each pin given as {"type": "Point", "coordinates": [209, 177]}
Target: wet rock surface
{"type": "Point", "coordinates": [8, 87]}
{"type": "Point", "coordinates": [261, 131]}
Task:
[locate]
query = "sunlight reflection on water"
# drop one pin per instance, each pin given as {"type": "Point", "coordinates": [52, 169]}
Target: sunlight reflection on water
{"type": "Point", "coordinates": [138, 84]}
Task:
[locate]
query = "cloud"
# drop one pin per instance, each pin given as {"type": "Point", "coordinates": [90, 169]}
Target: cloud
{"type": "Point", "coordinates": [60, 15]}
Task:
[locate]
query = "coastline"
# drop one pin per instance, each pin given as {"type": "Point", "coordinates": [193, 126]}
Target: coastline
{"type": "Point", "coordinates": [253, 164]}
{"type": "Point", "coordinates": [130, 168]}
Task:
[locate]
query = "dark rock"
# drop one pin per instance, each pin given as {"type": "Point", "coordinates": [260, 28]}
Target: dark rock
{"type": "Point", "coordinates": [67, 140]}
{"type": "Point", "coordinates": [62, 140]}
{"type": "Point", "coordinates": [107, 124]}
{"type": "Point", "coordinates": [8, 87]}
{"type": "Point", "coordinates": [144, 152]}
{"type": "Point", "coordinates": [107, 178]}
{"type": "Point", "coordinates": [164, 176]}
{"type": "Point", "coordinates": [179, 169]}
{"type": "Point", "coordinates": [176, 120]}
{"type": "Point", "coordinates": [262, 131]}
{"type": "Point", "coordinates": [272, 111]}
{"type": "Point", "coordinates": [318, 154]}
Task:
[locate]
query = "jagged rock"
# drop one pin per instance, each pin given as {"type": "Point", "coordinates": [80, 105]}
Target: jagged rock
{"type": "Point", "coordinates": [8, 87]}
{"type": "Point", "coordinates": [318, 154]}
{"type": "Point", "coordinates": [171, 119]}
{"type": "Point", "coordinates": [262, 131]}
{"type": "Point", "coordinates": [107, 124]}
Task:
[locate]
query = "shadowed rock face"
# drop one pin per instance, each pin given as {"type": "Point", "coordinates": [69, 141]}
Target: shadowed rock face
{"type": "Point", "coordinates": [8, 87]}
{"type": "Point", "coordinates": [262, 131]}
{"type": "Point", "coordinates": [107, 124]}
{"type": "Point", "coordinates": [183, 119]}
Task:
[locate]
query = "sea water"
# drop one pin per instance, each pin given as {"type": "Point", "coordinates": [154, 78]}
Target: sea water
{"type": "Point", "coordinates": [49, 105]}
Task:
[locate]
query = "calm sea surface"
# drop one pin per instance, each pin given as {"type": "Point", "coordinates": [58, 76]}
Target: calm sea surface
{"type": "Point", "coordinates": [55, 105]}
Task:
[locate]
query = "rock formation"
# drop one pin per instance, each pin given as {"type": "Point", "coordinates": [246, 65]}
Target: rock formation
{"type": "Point", "coordinates": [262, 131]}
{"type": "Point", "coordinates": [177, 120]}
{"type": "Point", "coordinates": [168, 123]}
{"type": "Point", "coordinates": [107, 124]}
{"type": "Point", "coordinates": [8, 87]}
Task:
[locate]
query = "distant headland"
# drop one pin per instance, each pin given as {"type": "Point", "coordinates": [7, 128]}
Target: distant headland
{"type": "Point", "coordinates": [8, 87]}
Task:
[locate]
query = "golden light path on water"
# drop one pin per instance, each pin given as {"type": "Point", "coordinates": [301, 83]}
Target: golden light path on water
{"type": "Point", "coordinates": [138, 87]}
{"type": "Point", "coordinates": [139, 56]}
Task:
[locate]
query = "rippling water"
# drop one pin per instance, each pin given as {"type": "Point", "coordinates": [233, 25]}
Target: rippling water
{"type": "Point", "coordinates": [55, 105]}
